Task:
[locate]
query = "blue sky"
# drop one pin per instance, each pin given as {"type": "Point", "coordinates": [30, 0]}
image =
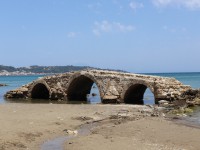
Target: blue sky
{"type": "Point", "coordinates": [132, 35]}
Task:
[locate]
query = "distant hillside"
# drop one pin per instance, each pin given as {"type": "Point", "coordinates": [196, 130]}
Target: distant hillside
{"type": "Point", "coordinates": [46, 69]}
{"type": "Point", "coordinates": [7, 68]}
{"type": "Point", "coordinates": [43, 69]}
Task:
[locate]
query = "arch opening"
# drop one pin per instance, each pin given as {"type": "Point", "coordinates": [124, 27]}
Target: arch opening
{"type": "Point", "coordinates": [139, 94]}
{"type": "Point", "coordinates": [40, 91]}
{"type": "Point", "coordinates": [83, 88]}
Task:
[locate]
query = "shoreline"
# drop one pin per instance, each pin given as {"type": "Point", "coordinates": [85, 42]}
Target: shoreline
{"type": "Point", "coordinates": [10, 74]}
{"type": "Point", "coordinates": [28, 126]}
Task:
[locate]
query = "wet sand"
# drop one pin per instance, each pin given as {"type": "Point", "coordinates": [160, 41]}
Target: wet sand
{"type": "Point", "coordinates": [28, 126]}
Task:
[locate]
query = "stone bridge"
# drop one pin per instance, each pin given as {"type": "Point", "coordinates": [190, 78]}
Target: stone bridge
{"type": "Point", "coordinates": [114, 87]}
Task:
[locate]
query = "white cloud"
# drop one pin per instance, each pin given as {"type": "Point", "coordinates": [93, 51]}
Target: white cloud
{"type": "Point", "coordinates": [174, 29]}
{"type": "Point", "coordinates": [162, 2]}
{"type": "Point", "coordinates": [135, 5]}
{"type": "Point", "coordinates": [111, 27]}
{"type": "Point", "coordinates": [72, 34]}
{"type": "Point", "coordinates": [191, 4]}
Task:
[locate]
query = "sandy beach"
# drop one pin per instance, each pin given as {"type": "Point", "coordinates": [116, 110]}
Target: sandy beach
{"type": "Point", "coordinates": [28, 126]}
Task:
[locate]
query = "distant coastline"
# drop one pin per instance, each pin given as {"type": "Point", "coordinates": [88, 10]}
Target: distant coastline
{"type": "Point", "coordinates": [18, 73]}
{"type": "Point", "coordinates": [42, 70]}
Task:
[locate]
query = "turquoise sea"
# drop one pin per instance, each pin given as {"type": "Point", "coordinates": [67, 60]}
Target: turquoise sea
{"type": "Point", "coordinates": [187, 78]}
{"type": "Point", "coordinates": [14, 82]}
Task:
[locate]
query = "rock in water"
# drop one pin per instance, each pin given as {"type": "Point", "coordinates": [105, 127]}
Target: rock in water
{"type": "Point", "coordinates": [94, 94]}
{"type": "Point", "coordinates": [3, 84]}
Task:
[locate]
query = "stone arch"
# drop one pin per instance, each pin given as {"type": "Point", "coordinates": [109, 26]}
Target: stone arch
{"type": "Point", "coordinates": [134, 93]}
{"type": "Point", "coordinates": [40, 90]}
{"type": "Point", "coordinates": [80, 85]}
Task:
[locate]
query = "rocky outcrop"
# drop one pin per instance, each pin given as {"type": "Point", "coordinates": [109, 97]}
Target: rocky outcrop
{"type": "Point", "coordinates": [114, 87]}
{"type": "Point", "coordinates": [21, 92]}
{"type": "Point", "coordinates": [1, 84]}
{"type": "Point", "coordinates": [191, 97]}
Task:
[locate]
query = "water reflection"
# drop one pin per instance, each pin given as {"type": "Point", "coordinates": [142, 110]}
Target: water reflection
{"type": "Point", "coordinates": [92, 98]}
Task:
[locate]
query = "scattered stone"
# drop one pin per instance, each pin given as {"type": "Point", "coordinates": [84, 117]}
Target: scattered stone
{"type": "Point", "coordinates": [57, 123]}
{"type": "Point", "coordinates": [176, 118]}
{"type": "Point", "coordinates": [59, 118]}
{"type": "Point", "coordinates": [83, 118]}
{"type": "Point", "coordinates": [163, 103]}
{"type": "Point", "coordinates": [94, 94]}
{"type": "Point", "coordinates": [184, 115]}
{"type": "Point", "coordinates": [70, 132]}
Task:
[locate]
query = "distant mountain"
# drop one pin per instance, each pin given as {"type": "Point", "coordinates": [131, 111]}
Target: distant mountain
{"type": "Point", "coordinates": [47, 69]}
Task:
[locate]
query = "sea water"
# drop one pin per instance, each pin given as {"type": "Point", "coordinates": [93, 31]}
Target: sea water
{"type": "Point", "coordinates": [13, 82]}
{"type": "Point", "coordinates": [187, 78]}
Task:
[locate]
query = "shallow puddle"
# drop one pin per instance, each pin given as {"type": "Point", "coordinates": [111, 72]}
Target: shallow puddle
{"type": "Point", "coordinates": [58, 143]}
{"type": "Point", "coordinates": [55, 144]}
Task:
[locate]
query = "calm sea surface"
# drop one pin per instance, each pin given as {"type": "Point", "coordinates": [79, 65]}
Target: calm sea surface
{"type": "Point", "coordinates": [14, 82]}
{"type": "Point", "coordinates": [192, 79]}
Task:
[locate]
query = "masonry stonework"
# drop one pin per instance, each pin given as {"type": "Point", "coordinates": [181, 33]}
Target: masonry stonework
{"type": "Point", "coordinates": [114, 87]}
